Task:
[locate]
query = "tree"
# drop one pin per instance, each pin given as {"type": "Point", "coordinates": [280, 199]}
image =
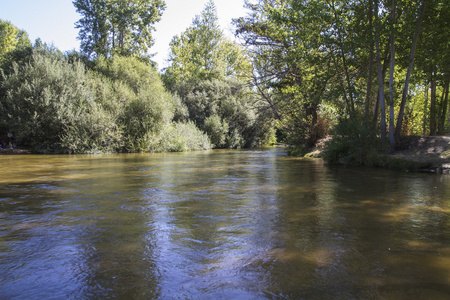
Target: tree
{"type": "Point", "coordinates": [380, 76]}
{"type": "Point", "coordinates": [296, 59]}
{"type": "Point", "coordinates": [109, 27]}
{"type": "Point", "coordinates": [11, 38]}
{"type": "Point", "coordinates": [433, 63]}
{"type": "Point", "coordinates": [410, 68]}
{"type": "Point", "coordinates": [312, 54]}
{"type": "Point", "coordinates": [202, 52]}
{"type": "Point", "coordinates": [211, 74]}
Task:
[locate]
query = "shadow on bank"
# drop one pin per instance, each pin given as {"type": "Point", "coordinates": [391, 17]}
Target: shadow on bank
{"type": "Point", "coordinates": [429, 154]}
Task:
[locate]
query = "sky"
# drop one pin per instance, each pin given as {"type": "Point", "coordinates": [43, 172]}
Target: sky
{"type": "Point", "coordinates": [53, 21]}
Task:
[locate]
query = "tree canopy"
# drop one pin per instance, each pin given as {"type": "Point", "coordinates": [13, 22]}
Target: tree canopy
{"type": "Point", "coordinates": [311, 56]}
{"type": "Point", "coordinates": [203, 52]}
{"type": "Point", "coordinates": [124, 27]}
{"type": "Point", "coordinates": [11, 38]}
{"type": "Point", "coordinates": [212, 75]}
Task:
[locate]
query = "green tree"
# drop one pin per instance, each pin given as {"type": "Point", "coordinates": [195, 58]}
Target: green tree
{"type": "Point", "coordinates": [11, 38]}
{"type": "Point", "coordinates": [124, 27]}
{"type": "Point", "coordinates": [202, 52]}
{"type": "Point", "coordinates": [211, 75]}
{"type": "Point", "coordinates": [294, 61]}
{"type": "Point", "coordinates": [313, 54]}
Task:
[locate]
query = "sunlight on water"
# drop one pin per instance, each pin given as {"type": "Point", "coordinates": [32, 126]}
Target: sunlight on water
{"type": "Point", "coordinates": [247, 224]}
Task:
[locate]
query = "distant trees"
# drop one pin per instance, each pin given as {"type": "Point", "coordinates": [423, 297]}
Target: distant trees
{"type": "Point", "coordinates": [122, 27]}
{"type": "Point", "coordinates": [212, 74]}
{"type": "Point", "coordinates": [202, 52]}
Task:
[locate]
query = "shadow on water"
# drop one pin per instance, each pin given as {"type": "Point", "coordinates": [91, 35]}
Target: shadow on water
{"type": "Point", "coordinates": [220, 224]}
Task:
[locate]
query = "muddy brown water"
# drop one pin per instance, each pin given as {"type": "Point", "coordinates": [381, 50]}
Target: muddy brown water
{"type": "Point", "coordinates": [245, 224]}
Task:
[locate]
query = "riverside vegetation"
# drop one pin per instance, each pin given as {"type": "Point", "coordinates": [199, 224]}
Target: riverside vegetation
{"type": "Point", "coordinates": [305, 70]}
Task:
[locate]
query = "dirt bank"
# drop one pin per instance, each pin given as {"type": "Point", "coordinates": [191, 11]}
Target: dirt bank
{"type": "Point", "coordinates": [15, 151]}
{"type": "Point", "coordinates": [426, 153]}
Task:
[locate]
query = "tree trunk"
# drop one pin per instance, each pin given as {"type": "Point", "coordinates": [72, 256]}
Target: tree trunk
{"type": "Point", "coordinates": [369, 78]}
{"type": "Point", "coordinates": [376, 107]}
{"type": "Point", "coordinates": [391, 81]}
{"type": "Point", "coordinates": [444, 106]}
{"type": "Point", "coordinates": [433, 105]}
{"type": "Point", "coordinates": [311, 111]}
{"type": "Point", "coordinates": [408, 73]}
{"type": "Point", "coordinates": [380, 78]}
{"type": "Point", "coordinates": [425, 107]}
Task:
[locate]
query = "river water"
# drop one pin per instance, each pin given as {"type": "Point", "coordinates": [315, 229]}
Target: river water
{"type": "Point", "coordinates": [244, 224]}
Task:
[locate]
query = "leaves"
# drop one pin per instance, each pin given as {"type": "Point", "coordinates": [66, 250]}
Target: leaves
{"type": "Point", "coordinates": [124, 27]}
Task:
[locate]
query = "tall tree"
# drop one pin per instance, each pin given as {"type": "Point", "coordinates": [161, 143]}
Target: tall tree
{"type": "Point", "coordinates": [11, 38]}
{"type": "Point", "coordinates": [124, 27]}
{"type": "Point", "coordinates": [380, 76]}
{"type": "Point", "coordinates": [212, 76]}
{"type": "Point", "coordinates": [202, 52]}
{"type": "Point", "coordinates": [391, 79]}
{"type": "Point", "coordinates": [405, 92]}
{"type": "Point", "coordinates": [305, 56]}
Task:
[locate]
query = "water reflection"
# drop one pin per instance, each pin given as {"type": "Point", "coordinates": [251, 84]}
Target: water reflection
{"type": "Point", "coordinates": [219, 224]}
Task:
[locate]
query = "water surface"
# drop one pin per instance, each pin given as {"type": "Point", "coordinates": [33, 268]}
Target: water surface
{"type": "Point", "coordinates": [247, 224]}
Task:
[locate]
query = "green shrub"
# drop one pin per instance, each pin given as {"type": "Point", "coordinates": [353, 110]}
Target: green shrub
{"type": "Point", "coordinates": [147, 114]}
{"type": "Point", "coordinates": [179, 137]}
{"type": "Point", "coordinates": [217, 130]}
{"type": "Point", "coordinates": [143, 106]}
{"type": "Point", "coordinates": [226, 111]}
{"type": "Point", "coordinates": [50, 106]}
{"type": "Point", "coordinates": [353, 142]}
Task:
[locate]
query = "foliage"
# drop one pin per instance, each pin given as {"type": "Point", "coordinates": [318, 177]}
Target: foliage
{"type": "Point", "coordinates": [354, 141]}
{"type": "Point", "coordinates": [202, 52]}
{"type": "Point", "coordinates": [124, 27]}
{"type": "Point", "coordinates": [180, 137]}
{"type": "Point", "coordinates": [55, 105]}
{"type": "Point", "coordinates": [312, 53]}
{"type": "Point", "coordinates": [14, 45]}
{"type": "Point", "coordinates": [144, 105]}
{"type": "Point", "coordinates": [293, 70]}
{"type": "Point", "coordinates": [227, 111]}
{"type": "Point", "coordinates": [70, 103]}
{"type": "Point", "coordinates": [211, 76]}
{"type": "Point", "coordinates": [50, 107]}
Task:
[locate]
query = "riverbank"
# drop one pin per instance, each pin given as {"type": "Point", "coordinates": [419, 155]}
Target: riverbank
{"type": "Point", "coordinates": [422, 153]}
{"type": "Point", "coordinates": [15, 151]}
{"type": "Point", "coordinates": [430, 154]}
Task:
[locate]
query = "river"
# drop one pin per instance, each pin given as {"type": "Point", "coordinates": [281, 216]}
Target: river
{"type": "Point", "coordinates": [222, 224]}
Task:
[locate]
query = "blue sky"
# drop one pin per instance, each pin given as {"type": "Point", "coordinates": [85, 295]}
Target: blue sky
{"type": "Point", "coordinates": [53, 20]}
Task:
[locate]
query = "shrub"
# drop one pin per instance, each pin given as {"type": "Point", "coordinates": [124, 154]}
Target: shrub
{"type": "Point", "coordinates": [353, 142]}
{"type": "Point", "coordinates": [217, 130]}
{"type": "Point", "coordinates": [225, 110]}
{"type": "Point", "coordinates": [143, 106]}
{"type": "Point", "coordinates": [179, 137]}
{"type": "Point", "coordinates": [49, 106]}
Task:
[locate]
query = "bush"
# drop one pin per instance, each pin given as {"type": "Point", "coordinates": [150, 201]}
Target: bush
{"type": "Point", "coordinates": [225, 110]}
{"type": "Point", "coordinates": [49, 106]}
{"type": "Point", "coordinates": [353, 142]}
{"type": "Point", "coordinates": [217, 130]}
{"type": "Point", "coordinates": [143, 106]}
{"type": "Point", "coordinates": [179, 137]}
